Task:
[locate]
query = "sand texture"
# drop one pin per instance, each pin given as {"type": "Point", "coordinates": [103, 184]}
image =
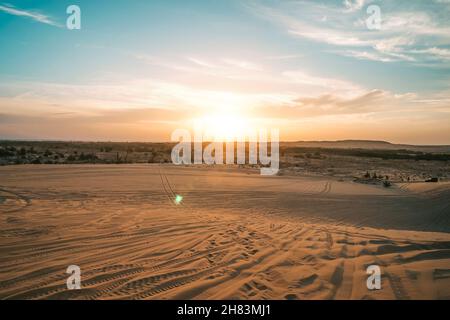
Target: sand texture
{"type": "Point", "coordinates": [235, 234]}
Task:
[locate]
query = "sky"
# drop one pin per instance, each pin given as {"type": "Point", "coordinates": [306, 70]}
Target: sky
{"type": "Point", "coordinates": [137, 70]}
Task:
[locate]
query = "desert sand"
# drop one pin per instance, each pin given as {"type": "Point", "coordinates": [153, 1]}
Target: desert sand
{"type": "Point", "coordinates": [234, 235]}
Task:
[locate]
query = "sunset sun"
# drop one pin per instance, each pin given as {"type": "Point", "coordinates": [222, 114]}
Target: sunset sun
{"type": "Point", "coordinates": [223, 127]}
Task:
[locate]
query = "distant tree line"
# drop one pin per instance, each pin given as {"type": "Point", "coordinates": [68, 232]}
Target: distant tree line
{"type": "Point", "coordinates": [366, 153]}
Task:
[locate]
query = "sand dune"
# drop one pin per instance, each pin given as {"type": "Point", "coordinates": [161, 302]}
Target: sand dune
{"type": "Point", "coordinates": [235, 235]}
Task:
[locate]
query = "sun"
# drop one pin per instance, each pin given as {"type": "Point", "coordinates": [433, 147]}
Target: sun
{"type": "Point", "coordinates": [223, 127]}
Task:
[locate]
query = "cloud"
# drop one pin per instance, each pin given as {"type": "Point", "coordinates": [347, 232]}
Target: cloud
{"type": "Point", "coordinates": [94, 98]}
{"type": "Point", "coordinates": [435, 53]}
{"type": "Point", "coordinates": [415, 23]}
{"type": "Point", "coordinates": [226, 67]}
{"type": "Point", "coordinates": [365, 55]}
{"type": "Point", "coordinates": [36, 16]}
{"type": "Point", "coordinates": [332, 104]}
{"type": "Point", "coordinates": [373, 104]}
{"type": "Point", "coordinates": [353, 5]}
{"type": "Point", "coordinates": [148, 110]}
{"type": "Point", "coordinates": [246, 65]}
{"type": "Point", "coordinates": [201, 63]}
{"type": "Point", "coordinates": [404, 35]}
{"type": "Point", "coordinates": [352, 105]}
{"type": "Point", "coordinates": [285, 57]}
{"type": "Point", "coordinates": [316, 85]}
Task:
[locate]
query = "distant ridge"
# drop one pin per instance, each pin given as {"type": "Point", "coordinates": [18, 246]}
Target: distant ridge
{"type": "Point", "coordinates": [338, 144]}
{"type": "Point", "coordinates": [371, 144]}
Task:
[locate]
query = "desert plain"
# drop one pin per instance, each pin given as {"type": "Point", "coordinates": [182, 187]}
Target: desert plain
{"type": "Point", "coordinates": [160, 231]}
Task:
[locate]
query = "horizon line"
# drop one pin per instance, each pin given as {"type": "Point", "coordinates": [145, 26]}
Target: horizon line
{"type": "Point", "coordinates": [281, 141]}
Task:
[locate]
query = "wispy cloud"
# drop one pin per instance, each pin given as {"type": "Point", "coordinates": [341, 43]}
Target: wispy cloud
{"type": "Point", "coordinates": [435, 53]}
{"type": "Point", "coordinates": [225, 68]}
{"type": "Point", "coordinates": [365, 55]}
{"type": "Point", "coordinates": [246, 65]}
{"type": "Point", "coordinates": [318, 85]}
{"type": "Point", "coordinates": [404, 35]}
{"type": "Point", "coordinates": [149, 109]}
{"type": "Point", "coordinates": [36, 16]}
{"type": "Point", "coordinates": [285, 57]}
{"type": "Point", "coordinates": [353, 5]}
{"type": "Point", "coordinates": [372, 103]}
{"type": "Point", "coordinates": [201, 63]}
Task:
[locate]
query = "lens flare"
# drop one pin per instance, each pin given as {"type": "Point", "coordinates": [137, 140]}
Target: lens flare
{"type": "Point", "coordinates": [178, 199]}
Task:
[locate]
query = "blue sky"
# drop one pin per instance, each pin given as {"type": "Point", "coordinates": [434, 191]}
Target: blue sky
{"type": "Point", "coordinates": [138, 69]}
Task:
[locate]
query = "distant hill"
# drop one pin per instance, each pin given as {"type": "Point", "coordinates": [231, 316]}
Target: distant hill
{"type": "Point", "coordinates": [369, 144]}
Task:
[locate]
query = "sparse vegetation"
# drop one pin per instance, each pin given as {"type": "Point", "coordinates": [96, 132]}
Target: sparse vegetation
{"type": "Point", "coordinates": [48, 152]}
{"type": "Point", "coordinates": [386, 184]}
{"type": "Point", "coordinates": [367, 153]}
{"type": "Point", "coordinates": [365, 165]}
